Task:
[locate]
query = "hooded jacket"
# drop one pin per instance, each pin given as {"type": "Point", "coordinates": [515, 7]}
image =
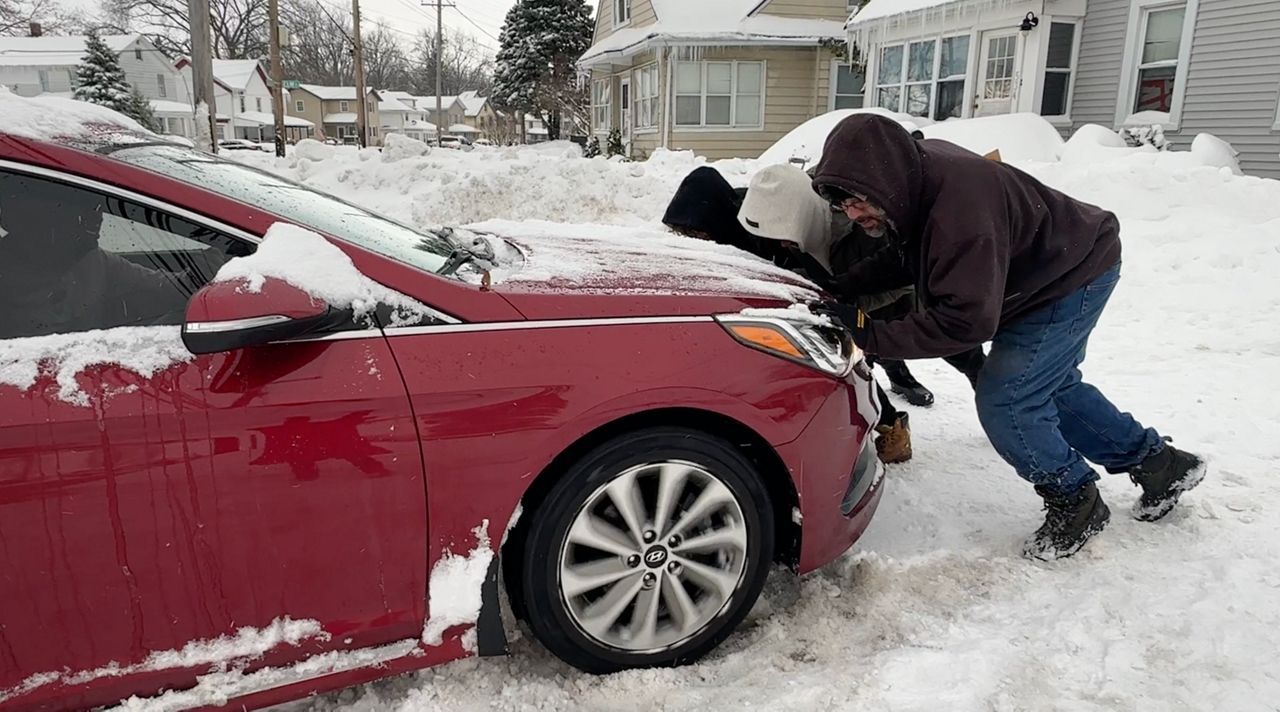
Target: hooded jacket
{"type": "Point", "coordinates": [988, 244]}
{"type": "Point", "coordinates": [705, 202]}
{"type": "Point", "coordinates": [781, 206]}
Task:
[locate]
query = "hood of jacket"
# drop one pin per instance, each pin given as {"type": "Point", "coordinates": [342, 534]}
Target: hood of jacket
{"type": "Point", "coordinates": [707, 203]}
{"type": "Point", "coordinates": [781, 205]}
{"type": "Point", "coordinates": [873, 156]}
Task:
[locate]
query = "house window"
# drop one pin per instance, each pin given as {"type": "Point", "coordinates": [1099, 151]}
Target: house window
{"type": "Point", "coordinates": [242, 109]}
{"type": "Point", "coordinates": [850, 87]}
{"type": "Point", "coordinates": [1158, 65]}
{"type": "Point", "coordinates": [646, 99]}
{"type": "Point", "coordinates": [600, 90]}
{"type": "Point", "coordinates": [299, 106]}
{"type": "Point", "coordinates": [44, 80]}
{"type": "Point", "coordinates": [720, 94]}
{"type": "Point", "coordinates": [160, 86]}
{"type": "Point", "coordinates": [137, 53]}
{"type": "Point", "coordinates": [924, 78]}
{"type": "Point", "coordinates": [1057, 69]}
{"type": "Point", "coordinates": [344, 106]}
{"type": "Point", "coordinates": [621, 12]}
{"type": "Point", "coordinates": [257, 102]}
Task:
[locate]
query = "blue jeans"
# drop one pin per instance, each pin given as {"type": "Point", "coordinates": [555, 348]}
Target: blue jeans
{"type": "Point", "coordinates": [1040, 416]}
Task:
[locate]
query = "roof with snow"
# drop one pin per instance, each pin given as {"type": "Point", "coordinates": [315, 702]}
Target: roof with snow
{"type": "Point", "coordinates": [429, 102]}
{"type": "Point", "coordinates": [262, 118]}
{"type": "Point", "coordinates": [462, 129]}
{"type": "Point", "coordinates": [169, 106]}
{"type": "Point", "coordinates": [54, 51]}
{"type": "Point", "coordinates": [880, 9]}
{"type": "Point", "coordinates": [330, 93]}
{"type": "Point", "coordinates": [236, 73]}
{"type": "Point", "coordinates": [397, 102]}
{"type": "Point", "coordinates": [342, 117]}
{"type": "Point", "coordinates": [472, 102]}
{"type": "Point", "coordinates": [687, 21]}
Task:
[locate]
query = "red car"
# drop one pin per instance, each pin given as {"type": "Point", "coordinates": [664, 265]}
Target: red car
{"type": "Point", "coordinates": [236, 495]}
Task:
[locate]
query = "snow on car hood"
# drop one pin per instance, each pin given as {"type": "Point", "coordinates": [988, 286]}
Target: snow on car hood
{"type": "Point", "coordinates": [615, 260]}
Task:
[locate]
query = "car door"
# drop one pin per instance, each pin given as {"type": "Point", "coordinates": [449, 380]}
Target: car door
{"type": "Point", "coordinates": [149, 498]}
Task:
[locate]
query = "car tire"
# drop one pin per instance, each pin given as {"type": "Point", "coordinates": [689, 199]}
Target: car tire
{"type": "Point", "coordinates": [679, 586]}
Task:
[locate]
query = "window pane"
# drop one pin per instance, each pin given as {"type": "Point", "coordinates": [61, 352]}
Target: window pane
{"type": "Point", "coordinates": [1055, 94]}
{"type": "Point", "coordinates": [918, 99]}
{"type": "Point", "coordinates": [950, 100]}
{"type": "Point", "coordinates": [850, 80]}
{"type": "Point", "coordinates": [920, 66]}
{"type": "Point", "coordinates": [719, 78]}
{"type": "Point", "coordinates": [688, 110]}
{"type": "Point", "coordinates": [688, 78]}
{"type": "Point", "coordinates": [849, 101]}
{"type": "Point", "coordinates": [749, 78]}
{"type": "Point", "coordinates": [1164, 35]}
{"type": "Point", "coordinates": [889, 98]}
{"type": "Point", "coordinates": [1155, 89]}
{"type": "Point", "coordinates": [718, 110]}
{"type": "Point", "coordinates": [890, 65]}
{"type": "Point", "coordinates": [748, 111]}
{"type": "Point", "coordinates": [955, 57]}
{"type": "Point", "coordinates": [1062, 36]}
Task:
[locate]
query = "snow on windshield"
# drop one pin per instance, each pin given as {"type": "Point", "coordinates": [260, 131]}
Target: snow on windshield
{"type": "Point", "coordinates": [51, 118]}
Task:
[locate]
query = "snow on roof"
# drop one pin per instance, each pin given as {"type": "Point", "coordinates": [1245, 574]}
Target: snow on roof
{"type": "Point", "coordinates": [462, 128]}
{"type": "Point", "coordinates": [48, 118]}
{"type": "Point", "coordinates": [473, 102]}
{"type": "Point", "coordinates": [879, 9]}
{"type": "Point", "coordinates": [168, 106]}
{"type": "Point", "coordinates": [429, 102]}
{"type": "Point", "coordinates": [53, 51]}
{"type": "Point", "coordinates": [714, 21]}
{"type": "Point", "coordinates": [342, 117]}
{"type": "Point", "coordinates": [262, 118]}
{"type": "Point", "coordinates": [235, 73]}
{"type": "Point", "coordinates": [331, 93]}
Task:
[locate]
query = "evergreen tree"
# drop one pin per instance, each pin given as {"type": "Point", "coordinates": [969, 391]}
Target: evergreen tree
{"type": "Point", "coordinates": [536, 69]}
{"type": "Point", "coordinates": [101, 80]}
{"type": "Point", "coordinates": [592, 148]}
{"type": "Point", "coordinates": [139, 109]}
{"type": "Point", "coordinates": [615, 147]}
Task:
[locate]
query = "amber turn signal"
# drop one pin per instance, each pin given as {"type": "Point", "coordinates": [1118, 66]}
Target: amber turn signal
{"type": "Point", "coordinates": [767, 338]}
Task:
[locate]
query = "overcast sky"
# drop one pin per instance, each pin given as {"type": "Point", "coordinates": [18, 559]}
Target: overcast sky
{"type": "Point", "coordinates": [481, 19]}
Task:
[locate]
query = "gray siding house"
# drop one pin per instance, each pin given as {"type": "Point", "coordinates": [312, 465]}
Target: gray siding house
{"type": "Point", "coordinates": [1190, 66]}
{"type": "Point", "coordinates": [1208, 66]}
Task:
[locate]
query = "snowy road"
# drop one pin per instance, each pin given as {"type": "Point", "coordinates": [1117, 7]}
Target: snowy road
{"type": "Point", "coordinates": [934, 609]}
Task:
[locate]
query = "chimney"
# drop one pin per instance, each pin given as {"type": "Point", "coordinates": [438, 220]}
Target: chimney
{"type": "Point", "coordinates": [36, 29]}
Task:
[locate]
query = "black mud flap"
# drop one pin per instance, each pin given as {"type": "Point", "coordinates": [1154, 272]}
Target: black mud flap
{"type": "Point", "coordinates": [491, 639]}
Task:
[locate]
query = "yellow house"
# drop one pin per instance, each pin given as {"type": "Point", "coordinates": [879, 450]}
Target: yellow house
{"type": "Point", "coordinates": [723, 78]}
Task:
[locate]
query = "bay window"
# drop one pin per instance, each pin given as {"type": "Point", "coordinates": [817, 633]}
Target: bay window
{"type": "Point", "coordinates": [600, 105]}
{"type": "Point", "coordinates": [727, 94]}
{"type": "Point", "coordinates": [645, 86]}
{"type": "Point", "coordinates": [1057, 69]}
{"type": "Point", "coordinates": [924, 78]}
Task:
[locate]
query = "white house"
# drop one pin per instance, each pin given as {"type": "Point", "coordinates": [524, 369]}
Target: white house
{"type": "Point", "coordinates": [37, 65]}
{"type": "Point", "coordinates": [242, 94]}
{"type": "Point", "coordinates": [945, 59]}
{"type": "Point", "coordinates": [401, 112]}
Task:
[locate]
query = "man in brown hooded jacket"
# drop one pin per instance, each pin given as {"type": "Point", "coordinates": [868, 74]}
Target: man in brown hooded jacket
{"type": "Point", "coordinates": [1000, 257]}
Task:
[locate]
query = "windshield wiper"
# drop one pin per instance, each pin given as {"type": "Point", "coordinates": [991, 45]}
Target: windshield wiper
{"type": "Point", "coordinates": [464, 254]}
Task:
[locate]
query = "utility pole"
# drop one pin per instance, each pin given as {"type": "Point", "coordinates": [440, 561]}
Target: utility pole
{"type": "Point", "coordinates": [277, 74]}
{"type": "Point", "coordinates": [362, 115]}
{"type": "Point", "coordinates": [202, 75]}
{"type": "Point", "coordinates": [439, 68]}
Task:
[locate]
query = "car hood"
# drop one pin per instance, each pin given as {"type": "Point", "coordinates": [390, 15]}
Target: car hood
{"type": "Point", "coordinates": [552, 270]}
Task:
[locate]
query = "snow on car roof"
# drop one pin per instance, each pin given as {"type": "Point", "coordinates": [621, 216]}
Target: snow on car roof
{"type": "Point", "coordinates": [48, 118]}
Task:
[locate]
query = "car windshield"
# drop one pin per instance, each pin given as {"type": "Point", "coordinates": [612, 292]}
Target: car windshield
{"type": "Point", "coordinates": [294, 202]}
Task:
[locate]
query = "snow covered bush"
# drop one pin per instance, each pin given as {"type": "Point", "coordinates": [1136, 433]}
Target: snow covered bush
{"type": "Point", "coordinates": [592, 148]}
{"type": "Point", "coordinates": [615, 147]}
{"type": "Point", "coordinates": [1135, 136]}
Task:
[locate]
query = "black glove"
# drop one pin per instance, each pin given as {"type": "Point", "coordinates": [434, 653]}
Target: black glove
{"type": "Point", "coordinates": [847, 316]}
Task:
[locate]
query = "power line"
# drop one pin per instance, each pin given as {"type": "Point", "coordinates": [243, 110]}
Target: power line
{"type": "Point", "coordinates": [476, 25]}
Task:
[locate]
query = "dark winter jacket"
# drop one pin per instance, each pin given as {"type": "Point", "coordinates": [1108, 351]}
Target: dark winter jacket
{"type": "Point", "coordinates": [705, 202]}
{"type": "Point", "coordinates": [872, 273]}
{"type": "Point", "coordinates": [988, 243]}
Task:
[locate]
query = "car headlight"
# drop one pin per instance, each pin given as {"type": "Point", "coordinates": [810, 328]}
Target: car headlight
{"type": "Point", "coordinates": [827, 348]}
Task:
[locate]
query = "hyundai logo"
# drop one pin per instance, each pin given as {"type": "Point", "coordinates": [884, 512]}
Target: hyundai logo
{"type": "Point", "coordinates": [655, 557]}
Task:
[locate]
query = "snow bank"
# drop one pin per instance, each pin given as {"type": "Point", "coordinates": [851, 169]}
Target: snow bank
{"type": "Point", "coordinates": [455, 587]}
{"type": "Point", "coordinates": [308, 261]}
{"type": "Point", "coordinates": [50, 118]}
{"type": "Point", "coordinates": [1018, 137]}
{"type": "Point", "coordinates": [396, 147]}
{"type": "Point", "coordinates": [245, 645]}
{"type": "Point", "coordinates": [1213, 151]}
{"type": "Point", "coordinates": [804, 143]}
{"type": "Point", "coordinates": [145, 350]}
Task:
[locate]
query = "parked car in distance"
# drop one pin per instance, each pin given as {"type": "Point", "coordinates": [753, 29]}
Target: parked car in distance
{"type": "Point", "coordinates": [184, 459]}
{"type": "Point", "coordinates": [455, 142]}
{"type": "Point", "coordinates": [483, 142]}
{"type": "Point", "coordinates": [239, 144]}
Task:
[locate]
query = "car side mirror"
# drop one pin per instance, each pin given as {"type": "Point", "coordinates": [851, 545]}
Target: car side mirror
{"type": "Point", "coordinates": [224, 316]}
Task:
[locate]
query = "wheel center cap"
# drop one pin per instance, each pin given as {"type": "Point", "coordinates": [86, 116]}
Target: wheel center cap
{"type": "Point", "coordinates": [655, 557]}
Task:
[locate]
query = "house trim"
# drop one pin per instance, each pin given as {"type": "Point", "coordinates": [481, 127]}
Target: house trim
{"type": "Point", "coordinates": [1134, 34]}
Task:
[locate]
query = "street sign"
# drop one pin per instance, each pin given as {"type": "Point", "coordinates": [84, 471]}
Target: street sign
{"type": "Point", "coordinates": [292, 84]}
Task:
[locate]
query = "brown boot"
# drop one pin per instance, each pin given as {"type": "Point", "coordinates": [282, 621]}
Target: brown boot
{"type": "Point", "coordinates": [893, 445]}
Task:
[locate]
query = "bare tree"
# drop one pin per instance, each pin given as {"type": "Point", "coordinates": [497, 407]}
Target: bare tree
{"type": "Point", "coordinates": [16, 17]}
{"type": "Point", "coordinates": [320, 43]}
{"type": "Point", "coordinates": [466, 65]}
{"type": "Point", "coordinates": [239, 26]}
{"type": "Point", "coordinates": [386, 64]}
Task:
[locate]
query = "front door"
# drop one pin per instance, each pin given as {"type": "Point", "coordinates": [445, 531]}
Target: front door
{"type": "Point", "coordinates": [625, 103]}
{"type": "Point", "coordinates": [997, 74]}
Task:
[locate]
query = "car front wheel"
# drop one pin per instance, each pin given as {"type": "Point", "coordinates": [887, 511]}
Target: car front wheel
{"type": "Point", "coordinates": [648, 552]}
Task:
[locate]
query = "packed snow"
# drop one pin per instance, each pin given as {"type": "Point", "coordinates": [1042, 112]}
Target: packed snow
{"type": "Point", "coordinates": [934, 608]}
{"type": "Point", "coordinates": [246, 644]}
{"type": "Point", "coordinates": [144, 350]}
{"type": "Point", "coordinates": [54, 118]}
{"type": "Point", "coordinates": [455, 589]}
